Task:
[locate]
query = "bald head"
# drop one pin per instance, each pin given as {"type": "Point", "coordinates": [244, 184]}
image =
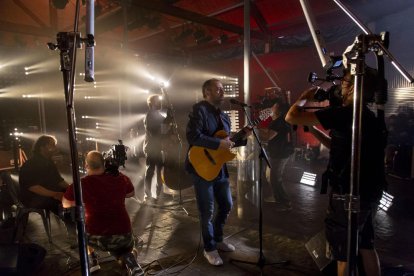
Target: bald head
{"type": "Point", "coordinates": [95, 161]}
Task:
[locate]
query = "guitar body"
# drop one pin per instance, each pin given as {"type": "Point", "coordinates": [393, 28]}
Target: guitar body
{"type": "Point", "coordinates": [208, 162]}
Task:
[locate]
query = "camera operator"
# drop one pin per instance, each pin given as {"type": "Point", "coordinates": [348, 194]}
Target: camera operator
{"type": "Point", "coordinates": [107, 222]}
{"type": "Point", "coordinates": [338, 119]}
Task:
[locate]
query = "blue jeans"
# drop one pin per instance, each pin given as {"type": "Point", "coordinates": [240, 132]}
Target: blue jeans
{"type": "Point", "coordinates": [207, 192]}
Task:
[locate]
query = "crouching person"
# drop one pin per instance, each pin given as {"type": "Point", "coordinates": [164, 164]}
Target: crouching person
{"type": "Point", "coordinates": [108, 227]}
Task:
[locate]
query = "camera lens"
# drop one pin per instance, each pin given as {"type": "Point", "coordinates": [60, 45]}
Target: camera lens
{"type": "Point", "coordinates": [321, 95]}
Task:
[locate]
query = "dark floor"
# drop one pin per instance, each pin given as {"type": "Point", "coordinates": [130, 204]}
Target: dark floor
{"type": "Point", "coordinates": [172, 238]}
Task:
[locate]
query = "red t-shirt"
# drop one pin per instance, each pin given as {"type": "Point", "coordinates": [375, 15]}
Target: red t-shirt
{"type": "Point", "coordinates": [104, 201]}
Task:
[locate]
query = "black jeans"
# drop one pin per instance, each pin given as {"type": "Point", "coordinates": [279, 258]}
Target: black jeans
{"type": "Point", "coordinates": [154, 162]}
{"type": "Point", "coordinates": [276, 177]}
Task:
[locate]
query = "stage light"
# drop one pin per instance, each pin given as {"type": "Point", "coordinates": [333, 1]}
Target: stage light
{"type": "Point", "coordinates": [308, 178]}
{"type": "Point", "coordinates": [205, 39]}
{"type": "Point", "coordinates": [85, 117]}
{"type": "Point", "coordinates": [199, 34]}
{"type": "Point", "coordinates": [29, 96]}
{"type": "Point", "coordinates": [183, 35]}
{"type": "Point", "coordinates": [222, 39]}
{"type": "Point", "coordinates": [16, 134]}
{"type": "Point", "coordinates": [26, 68]}
{"type": "Point", "coordinates": [386, 201]}
{"type": "Point", "coordinates": [164, 84]}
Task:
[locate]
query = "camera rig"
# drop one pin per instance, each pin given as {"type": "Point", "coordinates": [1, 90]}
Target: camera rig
{"type": "Point", "coordinates": [115, 157]}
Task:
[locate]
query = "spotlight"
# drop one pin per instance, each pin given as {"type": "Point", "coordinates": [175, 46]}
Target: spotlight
{"type": "Point", "coordinates": [199, 34]}
{"type": "Point", "coordinates": [51, 46]}
{"type": "Point", "coordinates": [222, 39]}
{"type": "Point", "coordinates": [164, 84]}
{"type": "Point", "coordinates": [204, 39]}
{"type": "Point", "coordinates": [183, 35]}
{"type": "Point", "coordinates": [386, 201]}
{"type": "Point", "coordinates": [308, 179]}
{"type": "Point", "coordinates": [16, 134]}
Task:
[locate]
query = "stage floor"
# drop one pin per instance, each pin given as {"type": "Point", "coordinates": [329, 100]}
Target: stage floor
{"type": "Point", "coordinates": [172, 239]}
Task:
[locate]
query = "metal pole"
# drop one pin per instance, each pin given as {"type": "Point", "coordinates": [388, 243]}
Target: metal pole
{"type": "Point", "coordinates": [366, 31]}
{"type": "Point", "coordinates": [353, 202]}
{"type": "Point", "coordinates": [246, 52]}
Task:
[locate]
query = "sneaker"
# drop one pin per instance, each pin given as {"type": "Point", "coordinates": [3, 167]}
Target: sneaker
{"type": "Point", "coordinates": [226, 247]}
{"type": "Point", "coordinates": [137, 271]}
{"type": "Point", "coordinates": [213, 257]}
{"type": "Point", "coordinates": [131, 263]}
{"type": "Point", "coordinates": [149, 200]}
{"type": "Point", "coordinates": [93, 263]}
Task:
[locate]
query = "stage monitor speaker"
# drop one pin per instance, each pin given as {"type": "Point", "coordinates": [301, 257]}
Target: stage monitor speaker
{"type": "Point", "coordinates": [20, 259]}
{"type": "Point", "coordinates": [317, 248]}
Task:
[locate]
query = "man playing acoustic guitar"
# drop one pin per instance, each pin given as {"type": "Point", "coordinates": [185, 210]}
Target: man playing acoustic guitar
{"type": "Point", "coordinates": [205, 120]}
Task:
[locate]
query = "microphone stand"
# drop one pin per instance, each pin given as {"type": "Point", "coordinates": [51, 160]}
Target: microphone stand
{"type": "Point", "coordinates": [261, 262]}
{"type": "Point", "coordinates": [67, 42]}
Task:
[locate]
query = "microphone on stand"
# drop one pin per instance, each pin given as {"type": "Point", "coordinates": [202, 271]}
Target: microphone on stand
{"type": "Point", "coordinates": [236, 102]}
{"type": "Point", "coordinates": [90, 41]}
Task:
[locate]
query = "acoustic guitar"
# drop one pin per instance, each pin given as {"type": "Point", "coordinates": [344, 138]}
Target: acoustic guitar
{"type": "Point", "coordinates": [208, 162]}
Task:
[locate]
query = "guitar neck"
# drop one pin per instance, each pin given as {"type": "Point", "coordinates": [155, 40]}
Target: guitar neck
{"type": "Point", "coordinates": [240, 134]}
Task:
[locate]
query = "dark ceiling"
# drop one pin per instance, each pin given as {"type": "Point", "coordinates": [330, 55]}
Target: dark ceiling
{"type": "Point", "coordinates": [181, 27]}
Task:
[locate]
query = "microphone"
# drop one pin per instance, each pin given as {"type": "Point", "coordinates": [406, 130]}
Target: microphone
{"type": "Point", "coordinates": [236, 102]}
{"type": "Point", "coordinates": [90, 41]}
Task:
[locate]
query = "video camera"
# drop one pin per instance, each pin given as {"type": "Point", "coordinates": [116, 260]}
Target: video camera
{"type": "Point", "coordinates": [115, 157]}
{"type": "Point", "coordinates": [333, 94]}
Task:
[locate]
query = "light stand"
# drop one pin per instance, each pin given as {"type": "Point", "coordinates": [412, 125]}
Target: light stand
{"type": "Point", "coordinates": [261, 262]}
{"type": "Point", "coordinates": [352, 200]}
{"type": "Point", "coordinates": [67, 43]}
{"type": "Point", "coordinates": [360, 48]}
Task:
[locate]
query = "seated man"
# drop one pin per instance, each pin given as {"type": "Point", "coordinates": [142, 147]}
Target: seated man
{"type": "Point", "coordinates": [107, 223]}
{"type": "Point", "coordinates": [41, 185]}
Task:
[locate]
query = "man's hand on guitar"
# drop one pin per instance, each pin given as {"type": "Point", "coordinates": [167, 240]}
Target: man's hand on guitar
{"type": "Point", "coordinates": [226, 143]}
{"type": "Point", "coordinates": [247, 130]}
